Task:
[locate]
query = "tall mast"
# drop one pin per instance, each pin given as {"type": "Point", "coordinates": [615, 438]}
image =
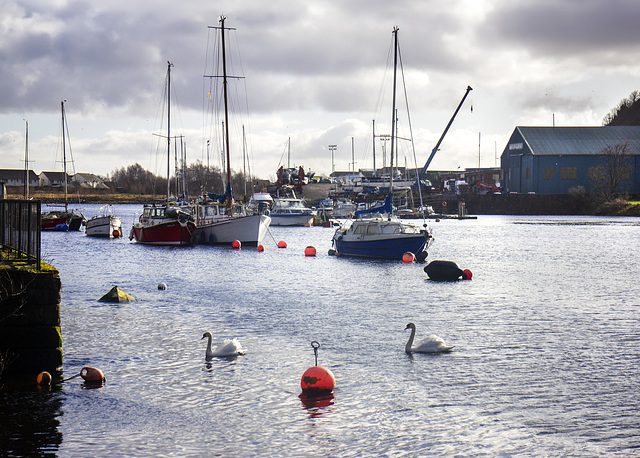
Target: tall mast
{"type": "Point", "coordinates": [26, 160]}
{"type": "Point", "coordinates": [393, 111]}
{"type": "Point", "coordinates": [169, 65]}
{"type": "Point", "coordinates": [226, 106]}
{"type": "Point", "coordinates": [374, 146]}
{"type": "Point", "coordinates": [64, 157]}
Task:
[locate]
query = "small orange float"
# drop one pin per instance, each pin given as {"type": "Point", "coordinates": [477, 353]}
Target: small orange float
{"type": "Point", "coordinates": [408, 257]}
{"type": "Point", "coordinates": [92, 375]}
{"type": "Point", "coordinates": [282, 244]}
{"type": "Point", "coordinates": [309, 251]}
{"type": "Point", "coordinates": [236, 244]}
{"type": "Point", "coordinates": [260, 248]}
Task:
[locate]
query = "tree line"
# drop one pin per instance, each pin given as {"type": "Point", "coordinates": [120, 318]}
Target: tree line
{"type": "Point", "coordinates": [196, 178]}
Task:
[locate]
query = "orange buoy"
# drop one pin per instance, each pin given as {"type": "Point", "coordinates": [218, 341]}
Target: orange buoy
{"type": "Point", "coordinates": [282, 244]}
{"type": "Point", "coordinates": [236, 244]}
{"type": "Point", "coordinates": [260, 248]}
{"type": "Point", "coordinates": [468, 273]}
{"type": "Point", "coordinates": [317, 380]}
{"type": "Point", "coordinates": [44, 378]}
{"type": "Point", "coordinates": [408, 257]}
{"type": "Point", "coordinates": [92, 375]}
{"type": "Point", "coordinates": [309, 251]}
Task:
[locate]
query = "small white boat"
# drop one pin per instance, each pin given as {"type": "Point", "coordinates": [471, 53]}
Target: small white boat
{"type": "Point", "coordinates": [105, 224]}
{"type": "Point", "coordinates": [291, 211]}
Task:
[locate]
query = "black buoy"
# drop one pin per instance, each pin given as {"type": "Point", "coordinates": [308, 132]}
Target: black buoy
{"type": "Point", "coordinates": [446, 271]}
{"type": "Point", "coordinates": [422, 256]}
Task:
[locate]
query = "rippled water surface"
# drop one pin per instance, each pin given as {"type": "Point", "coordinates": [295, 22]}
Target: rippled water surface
{"type": "Point", "coordinates": [546, 359]}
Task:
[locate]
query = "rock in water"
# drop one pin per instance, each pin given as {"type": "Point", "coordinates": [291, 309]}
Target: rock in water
{"type": "Point", "coordinates": [115, 294]}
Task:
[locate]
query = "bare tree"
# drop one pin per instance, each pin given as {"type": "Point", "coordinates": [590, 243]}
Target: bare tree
{"type": "Point", "coordinates": [616, 167]}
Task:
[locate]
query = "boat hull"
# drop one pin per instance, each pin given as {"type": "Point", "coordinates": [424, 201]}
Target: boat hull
{"type": "Point", "coordinates": [249, 230]}
{"type": "Point", "coordinates": [61, 221]}
{"type": "Point", "coordinates": [383, 248]}
{"type": "Point", "coordinates": [104, 226]}
{"type": "Point", "coordinates": [291, 220]}
{"type": "Point", "coordinates": [172, 233]}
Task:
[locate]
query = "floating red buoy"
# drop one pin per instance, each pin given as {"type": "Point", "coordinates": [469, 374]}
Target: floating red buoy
{"type": "Point", "coordinates": [282, 244]}
{"type": "Point", "coordinates": [317, 380]}
{"type": "Point", "coordinates": [236, 244]}
{"type": "Point", "coordinates": [92, 375]}
{"type": "Point", "coordinates": [260, 248]}
{"type": "Point", "coordinates": [408, 257]}
{"type": "Point", "coordinates": [309, 251]}
{"type": "Point", "coordinates": [468, 274]}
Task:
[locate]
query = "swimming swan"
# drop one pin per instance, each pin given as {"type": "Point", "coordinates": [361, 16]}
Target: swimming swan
{"type": "Point", "coordinates": [225, 348]}
{"type": "Point", "coordinates": [432, 344]}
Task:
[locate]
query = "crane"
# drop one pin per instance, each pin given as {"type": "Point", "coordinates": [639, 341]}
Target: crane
{"type": "Point", "coordinates": [435, 149]}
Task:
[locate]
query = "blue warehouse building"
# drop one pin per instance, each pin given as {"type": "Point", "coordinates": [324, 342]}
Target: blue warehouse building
{"type": "Point", "coordinates": [552, 160]}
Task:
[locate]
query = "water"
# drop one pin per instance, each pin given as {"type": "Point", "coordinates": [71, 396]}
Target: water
{"type": "Point", "coordinates": [546, 361]}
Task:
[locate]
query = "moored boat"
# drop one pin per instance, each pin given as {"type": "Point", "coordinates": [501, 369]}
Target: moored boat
{"type": "Point", "coordinates": [291, 211]}
{"type": "Point", "coordinates": [218, 218]}
{"type": "Point", "coordinates": [166, 223]}
{"type": "Point", "coordinates": [377, 232]}
{"type": "Point", "coordinates": [105, 224]}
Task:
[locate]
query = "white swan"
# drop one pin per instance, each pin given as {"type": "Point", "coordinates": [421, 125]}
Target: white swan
{"type": "Point", "coordinates": [432, 344]}
{"type": "Point", "coordinates": [225, 348]}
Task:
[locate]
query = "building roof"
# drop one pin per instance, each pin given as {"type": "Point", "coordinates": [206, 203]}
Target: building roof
{"type": "Point", "coordinates": [16, 174]}
{"type": "Point", "coordinates": [579, 140]}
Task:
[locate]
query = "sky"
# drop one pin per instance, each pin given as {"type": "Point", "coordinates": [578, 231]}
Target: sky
{"type": "Point", "coordinates": [314, 74]}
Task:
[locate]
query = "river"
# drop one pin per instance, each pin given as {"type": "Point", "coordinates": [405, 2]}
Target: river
{"type": "Point", "coordinates": [546, 359]}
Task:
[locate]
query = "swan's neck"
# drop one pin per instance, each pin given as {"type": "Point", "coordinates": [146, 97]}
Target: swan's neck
{"type": "Point", "coordinates": [209, 339]}
{"type": "Point", "coordinates": [407, 348]}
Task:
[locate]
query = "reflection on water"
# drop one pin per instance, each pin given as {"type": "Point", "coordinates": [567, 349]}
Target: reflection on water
{"type": "Point", "coordinates": [545, 357]}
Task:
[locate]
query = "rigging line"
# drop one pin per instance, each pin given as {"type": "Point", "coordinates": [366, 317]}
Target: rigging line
{"type": "Point", "coordinates": [413, 146]}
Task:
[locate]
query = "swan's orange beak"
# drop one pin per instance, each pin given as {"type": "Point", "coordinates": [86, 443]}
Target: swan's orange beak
{"type": "Point", "coordinates": [406, 327]}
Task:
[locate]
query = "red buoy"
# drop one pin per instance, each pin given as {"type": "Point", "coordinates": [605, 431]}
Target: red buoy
{"type": "Point", "coordinates": [468, 273]}
{"type": "Point", "coordinates": [43, 378]}
{"type": "Point", "coordinates": [408, 257]}
{"type": "Point", "coordinates": [317, 380]}
{"type": "Point", "coordinates": [92, 375]}
{"type": "Point", "coordinates": [260, 248]}
{"type": "Point", "coordinates": [282, 244]}
{"type": "Point", "coordinates": [236, 244]}
{"type": "Point", "coordinates": [309, 251]}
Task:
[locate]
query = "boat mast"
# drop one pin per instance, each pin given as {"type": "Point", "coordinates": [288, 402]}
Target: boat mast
{"type": "Point", "coordinates": [393, 111]}
{"type": "Point", "coordinates": [26, 160]}
{"type": "Point", "coordinates": [226, 108]}
{"type": "Point", "coordinates": [64, 157]}
{"type": "Point", "coordinates": [169, 65]}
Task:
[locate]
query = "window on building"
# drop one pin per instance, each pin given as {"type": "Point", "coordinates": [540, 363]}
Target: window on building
{"type": "Point", "coordinates": [528, 173]}
{"type": "Point", "coordinates": [626, 173]}
{"type": "Point", "coordinates": [549, 173]}
{"type": "Point", "coordinates": [568, 173]}
{"type": "Point", "coordinates": [595, 173]}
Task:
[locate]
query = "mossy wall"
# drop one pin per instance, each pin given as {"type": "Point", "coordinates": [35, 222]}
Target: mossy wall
{"type": "Point", "coordinates": [30, 337]}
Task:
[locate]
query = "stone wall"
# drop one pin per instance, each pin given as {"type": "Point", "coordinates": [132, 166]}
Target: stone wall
{"type": "Point", "coordinates": [30, 337]}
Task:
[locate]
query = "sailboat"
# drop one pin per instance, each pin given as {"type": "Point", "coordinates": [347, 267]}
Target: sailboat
{"type": "Point", "coordinates": [166, 223]}
{"type": "Point", "coordinates": [377, 232]}
{"type": "Point", "coordinates": [219, 219]}
{"type": "Point", "coordinates": [62, 220]}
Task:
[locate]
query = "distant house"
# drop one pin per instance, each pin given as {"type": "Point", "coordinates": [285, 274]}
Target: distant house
{"type": "Point", "coordinates": [553, 160]}
{"type": "Point", "coordinates": [15, 177]}
{"type": "Point", "coordinates": [89, 180]}
{"type": "Point", "coordinates": [54, 179]}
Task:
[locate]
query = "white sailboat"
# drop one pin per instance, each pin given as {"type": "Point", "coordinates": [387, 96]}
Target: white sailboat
{"type": "Point", "coordinates": [219, 219]}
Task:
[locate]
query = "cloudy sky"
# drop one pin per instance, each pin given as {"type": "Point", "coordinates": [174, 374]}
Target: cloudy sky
{"type": "Point", "coordinates": [315, 72]}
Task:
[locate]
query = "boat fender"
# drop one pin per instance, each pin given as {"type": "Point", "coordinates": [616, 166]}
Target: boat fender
{"type": "Point", "coordinates": [422, 256]}
{"type": "Point", "coordinates": [446, 271]}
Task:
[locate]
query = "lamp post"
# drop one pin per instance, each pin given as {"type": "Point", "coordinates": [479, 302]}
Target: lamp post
{"type": "Point", "coordinates": [332, 148]}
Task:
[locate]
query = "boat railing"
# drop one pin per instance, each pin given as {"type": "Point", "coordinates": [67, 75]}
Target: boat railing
{"type": "Point", "coordinates": [20, 226]}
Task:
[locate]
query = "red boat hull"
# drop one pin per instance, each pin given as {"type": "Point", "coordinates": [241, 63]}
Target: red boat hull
{"type": "Point", "coordinates": [168, 233]}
